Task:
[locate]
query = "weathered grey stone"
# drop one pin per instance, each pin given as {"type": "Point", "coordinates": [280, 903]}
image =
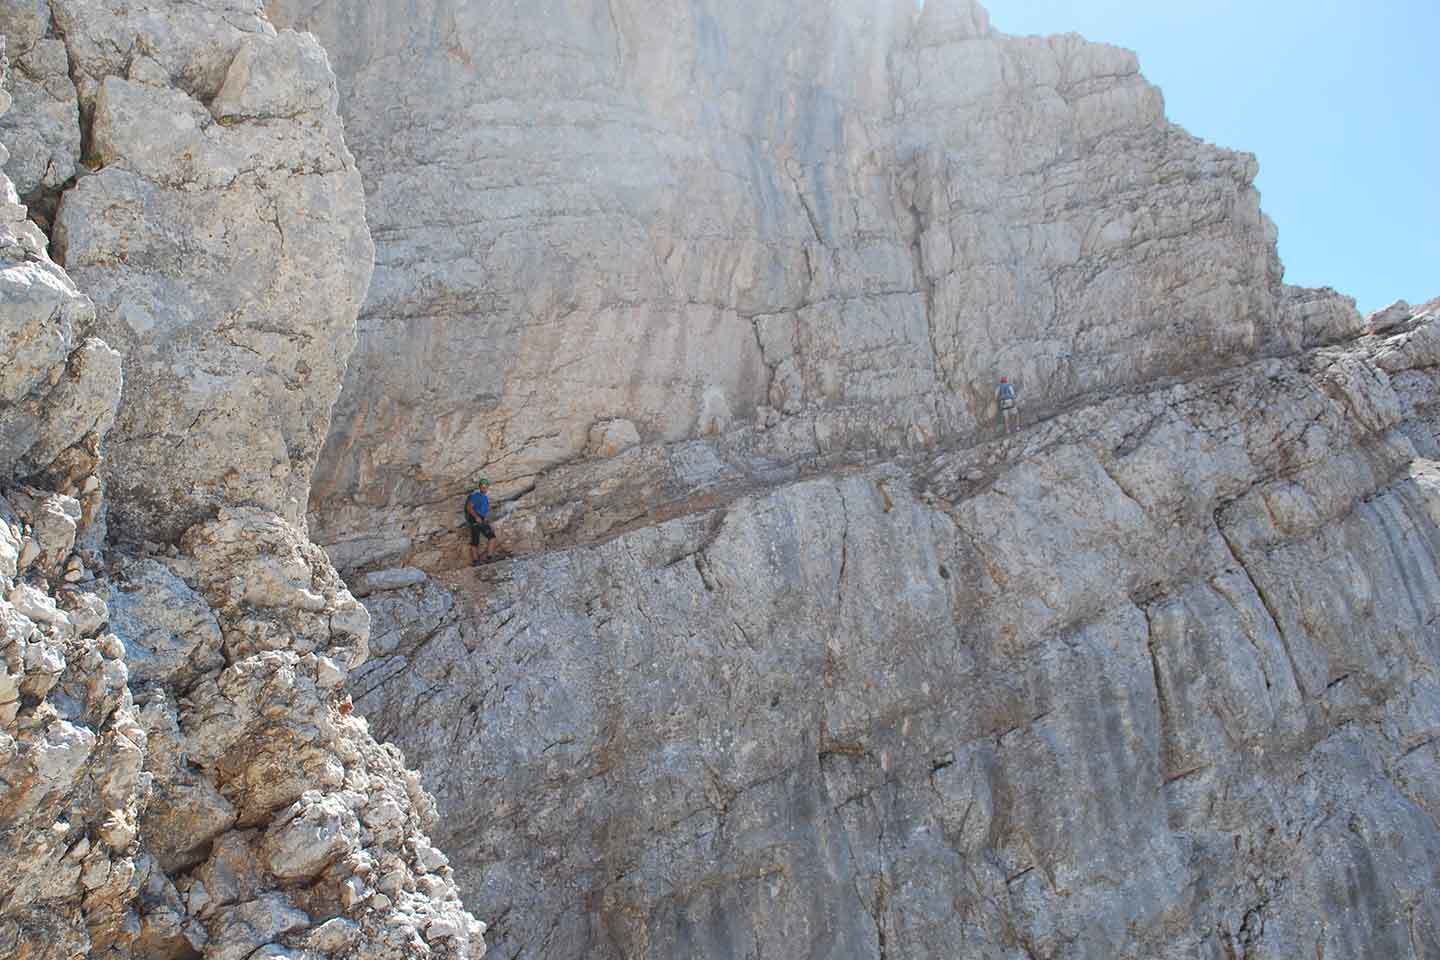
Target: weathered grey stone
{"type": "Point", "coordinates": [329, 674]}
{"type": "Point", "coordinates": [800, 665]}
{"type": "Point", "coordinates": [849, 213]}
{"type": "Point", "coordinates": [194, 43]}
{"type": "Point", "coordinates": [45, 405]}
{"type": "Point", "coordinates": [611, 437]}
{"type": "Point", "coordinates": [245, 255]}
{"type": "Point", "coordinates": [34, 604]}
{"type": "Point", "coordinates": [88, 613]}
{"type": "Point", "coordinates": [276, 78]}
{"type": "Point", "coordinates": [1388, 318]}
{"type": "Point", "coordinates": [274, 590]}
{"type": "Point", "coordinates": [29, 552]}
{"type": "Point", "coordinates": [316, 831]}
{"type": "Point", "coordinates": [11, 543]}
{"type": "Point", "coordinates": [172, 636]}
{"type": "Point", "coordinates": [239, 931]}
{"type": "Point", "coordinates": [54, 521]}
{"type": "Point", "coordinates": [408, 616]}
{"type": "Point", "coordinates": [1312, 318]}
{"type": "Point", "coordinates": [60, 755]}
{"type": "Point", "coordinates": [186, 815]}
{"type": "Point", "coordinates": [1063, 680]}
{"type": "Point", "coordinates": [23, 23]}
{"type": "Point", "coordinates": [333, 936]}
{"type": "Point", "coordinates": [225, 234]}
{"type": "Point", "coordinates": [1417, 348]}
{"type": "Point", "coordinates": [43, 127]}
{"type": "Point", "coordinates": [37, 295]}
{"type": "Point", "coordinates": [378, 581]}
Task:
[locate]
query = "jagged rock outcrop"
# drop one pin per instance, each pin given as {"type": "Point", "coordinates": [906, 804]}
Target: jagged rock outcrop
{"type": "Point", "coordinates": [42, 133]}
{"type": "Point", "coordinates": [221, 233]}
{"type": "Point", "coordinates": [180, 773]}
{"type": "Point", "coordinates": [58, 385]}
{"type": "Point", "coordinates": [842, 220]}
{"type": "Point", "coordinates": [220, 800]}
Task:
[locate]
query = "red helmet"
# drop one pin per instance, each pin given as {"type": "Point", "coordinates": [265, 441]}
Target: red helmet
{"type": "Point", "coordinates": [1004, 379]}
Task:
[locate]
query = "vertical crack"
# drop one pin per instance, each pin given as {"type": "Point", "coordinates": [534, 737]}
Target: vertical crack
{"type": "Point", "coordinates": [42, 201]}
{"type": "Point", "coordinates": [43, 205]}
{"type": "Point", "coordinates": [882, 896]}
{"type": "Point", "coordinates": [770, 368]}
{"type": "Point", "coordinates": [1270, 608]}
{"type": "Point", "coordinates": [882, 905]}
{"type": "Point", "coordinates": [879, 905]}
{"type": "Point", "coordinates": [844, 549]}
{"type": "Point", "coordinates": [1223, 589]}
{"type": "Point", "coordinates": [805, 205]}
{"type": "Point", "coordinates": [923, 281]}
{"type": "Point", "coordinates": [619, 41]}
{"type": "Point", "coordinates": [274, 221]}
{"type": "Point", "coordinates": [809, 275]}
{"type": "Point", "coordinates": [1167, 747]}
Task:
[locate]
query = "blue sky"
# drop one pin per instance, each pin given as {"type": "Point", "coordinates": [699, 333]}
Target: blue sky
{"type": "Point", "coordinates": [1340, 101]}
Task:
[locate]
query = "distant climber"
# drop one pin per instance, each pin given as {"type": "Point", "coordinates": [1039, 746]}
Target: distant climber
{"type": "Point", "coordinates": [477, 518]}
{"type": "Point", "coordinates": [1005, 397]}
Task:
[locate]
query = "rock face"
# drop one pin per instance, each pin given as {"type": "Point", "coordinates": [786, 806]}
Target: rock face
{"type": "Point", "coordinates": [180, 773]}
{"type": "Point", "coordinates": [844, 218]}
{"type": "Point", "coordinates": [1154, 678]}
{"type": "Point", "coordinates": [222, 237]}
{"type": "Point", "coordinates": [43, 131]}
{"type": "Point", "coordinates": [58, 386]}
{"type": "Point", "coordinates": [797, 660]}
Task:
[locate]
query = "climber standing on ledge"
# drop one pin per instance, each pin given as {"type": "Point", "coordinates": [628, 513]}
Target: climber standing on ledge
{"type": "Point", "coordinates": [1005, 396]}
{"type": "Point", "coordinates": [477, 518]}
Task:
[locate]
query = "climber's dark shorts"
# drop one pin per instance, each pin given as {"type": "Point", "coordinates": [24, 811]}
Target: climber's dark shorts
{"type": "Point", "coordinates": [476, 529]}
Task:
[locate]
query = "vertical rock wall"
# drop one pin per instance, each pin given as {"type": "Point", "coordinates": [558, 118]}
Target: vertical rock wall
{"type": "Point", "coordinates": [70, 755]}
{"type": "Point", "coordinates": [722, 290]}
{"type": "Point", "coordinates": [1153, 678]}
{"type": "Point", "coordinates": [841, 220]}
{"type": "Point", "coordinates": [43, 131]}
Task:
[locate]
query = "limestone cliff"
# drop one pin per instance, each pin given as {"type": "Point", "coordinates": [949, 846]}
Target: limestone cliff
{"type": "Point", "coordinates": [180, 775]}
{"type": "Point", "coordinates": [659, 222]}
{"type": "Point", "coordinates": [1154, 678]}
{"type": "Point", "coordinates": [797, 658]}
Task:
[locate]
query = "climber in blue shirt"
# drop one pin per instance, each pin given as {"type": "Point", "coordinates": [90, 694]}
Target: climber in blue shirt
{"type": "Point", "coordinates": [477, 518]}
{"type": "Point", "coordinates": [1005, 398]}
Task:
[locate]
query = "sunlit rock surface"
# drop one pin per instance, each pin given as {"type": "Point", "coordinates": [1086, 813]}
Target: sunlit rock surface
{"type": "Point", "coordinates": [180, 773]}
{"type": "Point", "coordinates": [797, 657]}
{"type": "Point", "coordinates": [1154, 678]}
{"type": "Point", "coordinates": [221, 232]}
{"type": "Point", "coordinates": [841, 219]}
